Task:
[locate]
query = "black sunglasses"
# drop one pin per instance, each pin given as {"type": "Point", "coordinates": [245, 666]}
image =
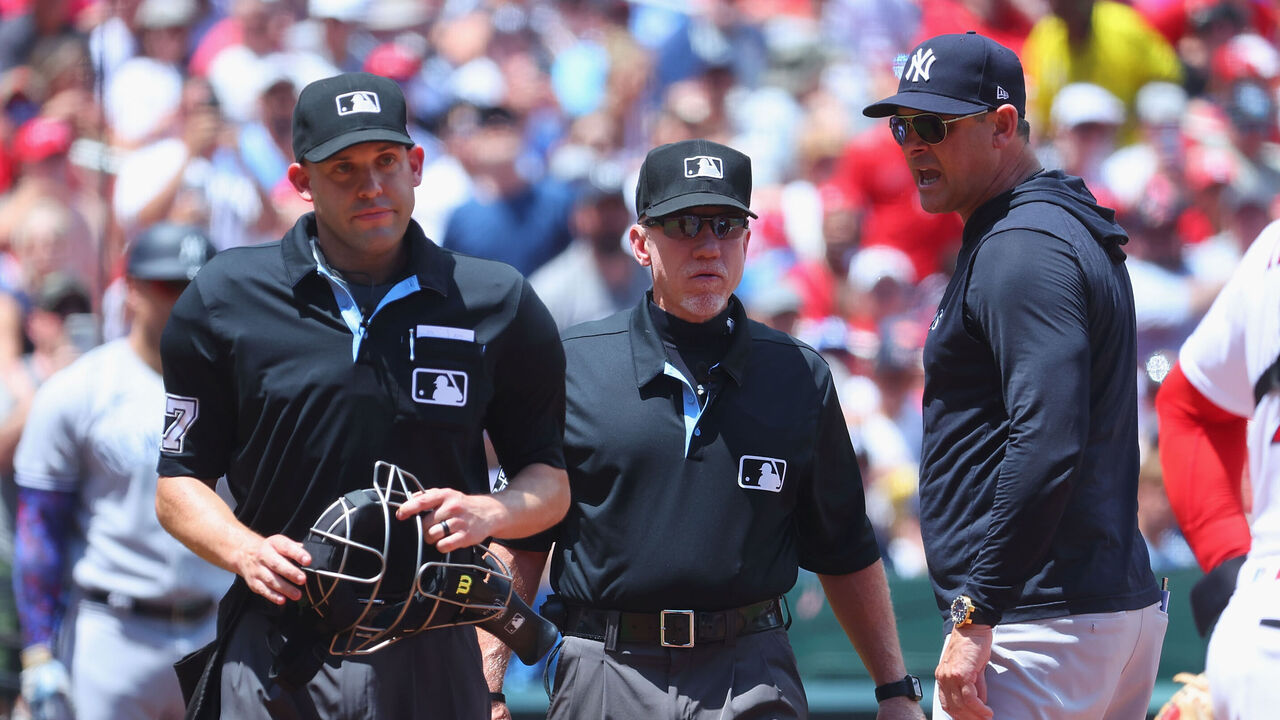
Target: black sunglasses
{"type": "Point", "coordinates": [722, 226]}
{"type": "Point", "coordinates": [929, 127]}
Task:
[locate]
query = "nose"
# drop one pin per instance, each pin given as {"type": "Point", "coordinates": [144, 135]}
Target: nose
{"type": "Point", "coordinates": [368, 185]}
{"type": "Point", "coordinates": [913, 145]}
{"type": "Point", "coordinates": [705, 244]}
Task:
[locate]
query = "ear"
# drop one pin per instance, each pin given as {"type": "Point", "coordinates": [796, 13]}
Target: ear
{"type": "Point", "coordinates": [417, 158]}
{"type": "Point", "coordinates": [1004, 126]}
{"type": "Point", "coordinates": [132, 293]}
{"type": "Point", "coordinates": [300, 179]}
{"type": "Point", "coordinates": [636, 236]}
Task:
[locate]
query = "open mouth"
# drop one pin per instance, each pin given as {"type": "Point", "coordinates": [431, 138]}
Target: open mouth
{"type": "Point", "coordinates": [925, 177]}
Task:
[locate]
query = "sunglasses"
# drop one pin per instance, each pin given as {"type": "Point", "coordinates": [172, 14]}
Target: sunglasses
{"type": "Point", "coordinates": [722, 226]}
{"type": "Point", "coordinates": [929, 127]}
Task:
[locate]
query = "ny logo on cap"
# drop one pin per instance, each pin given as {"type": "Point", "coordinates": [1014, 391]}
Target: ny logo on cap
{"type": "Point", "coordinates": [360, 101]}
{"type": "Point", "coordinates": [191, 253]}
{"type": "Point", "coordinates": [703, 166]}
{"type": "Point", "coordinates": [920, 64]}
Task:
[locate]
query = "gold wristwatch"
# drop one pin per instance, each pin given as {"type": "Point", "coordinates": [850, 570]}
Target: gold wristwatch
{"type": "Point", "coordinates": [962, 611]}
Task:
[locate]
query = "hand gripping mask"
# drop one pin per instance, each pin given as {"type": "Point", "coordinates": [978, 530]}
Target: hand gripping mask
{"type": "Point", "coordinates": [374, 579]}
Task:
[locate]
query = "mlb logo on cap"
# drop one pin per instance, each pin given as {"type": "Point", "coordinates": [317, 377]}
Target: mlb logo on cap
{"type": "Point", "coordinates": [704, 166]}
{"type": "Point", "coordinates": [689, 173]}
{"type": "Point", "coordinates": [370, 108]}
{"type": "Point", "coordinates": [358, 102]}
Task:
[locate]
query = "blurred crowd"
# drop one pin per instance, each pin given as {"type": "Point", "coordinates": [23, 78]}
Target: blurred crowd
{"type": "Point", "coordinates": [535, 115]}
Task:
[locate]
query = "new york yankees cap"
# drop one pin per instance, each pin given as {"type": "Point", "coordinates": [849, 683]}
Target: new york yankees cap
{"type": "Point", "coordinates": [685, 174]}
{"type": "Point", "coordinates": [169, 251]}
{"type": "Point", "coordinates": [340, 111]}
{"type": "Point", "coordinates": [957, 75]}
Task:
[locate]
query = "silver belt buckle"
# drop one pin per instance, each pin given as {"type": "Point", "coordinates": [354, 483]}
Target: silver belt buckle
{"type": "Point", "coordinates": [662, 632]}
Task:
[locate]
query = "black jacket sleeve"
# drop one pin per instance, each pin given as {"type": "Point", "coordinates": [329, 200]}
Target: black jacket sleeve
{"type": "Point", "coordinates": [1028, 299]}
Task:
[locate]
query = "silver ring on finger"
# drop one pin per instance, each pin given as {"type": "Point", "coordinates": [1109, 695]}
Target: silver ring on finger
{"type": "Point", "coordinates": [444, 528]}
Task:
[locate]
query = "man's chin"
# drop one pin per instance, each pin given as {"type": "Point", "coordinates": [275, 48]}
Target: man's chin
{"type": "Point", "coordinates": [704, 307]}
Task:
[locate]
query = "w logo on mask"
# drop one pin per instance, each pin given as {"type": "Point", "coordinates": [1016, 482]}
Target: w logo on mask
{"type": "Point", "coordinates": [920, 64]}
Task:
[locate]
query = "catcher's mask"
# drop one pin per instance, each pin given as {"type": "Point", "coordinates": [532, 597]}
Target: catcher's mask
{"type": "Point", "coordinates": [374, 579]}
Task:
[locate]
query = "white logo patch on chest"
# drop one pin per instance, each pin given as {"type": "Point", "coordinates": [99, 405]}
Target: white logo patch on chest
{"type": "Point", "coordinates": [761, 473]}
{"type": "Point", "coordinates": [432, 386]}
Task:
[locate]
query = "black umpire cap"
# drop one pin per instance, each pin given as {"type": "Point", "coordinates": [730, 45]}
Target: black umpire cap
{"type": "Point", "coordinates": [337, 112]}
{"type": "Point", "coordinates": [957, 75]}
{"type": "Point", "coordinates": [169, 252]}
{"type": "Point", "coordinates": [685, 174]}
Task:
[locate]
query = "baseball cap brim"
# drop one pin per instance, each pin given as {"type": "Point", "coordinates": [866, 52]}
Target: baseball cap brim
{"type": "Point", "coordinates": [332, 146]}
{"type": "Point", "coordinates": [924, 102]}
{"type": "Point", "coordinates": [683, 202]}
{"type": "Point", "coordinates": [167, 269]}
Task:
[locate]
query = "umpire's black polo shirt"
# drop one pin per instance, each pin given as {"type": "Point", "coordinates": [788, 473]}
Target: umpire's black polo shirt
{"type": "Point", "coordinates": [274, 379]}
{"type": "Point", "coordinates": [686, 508]}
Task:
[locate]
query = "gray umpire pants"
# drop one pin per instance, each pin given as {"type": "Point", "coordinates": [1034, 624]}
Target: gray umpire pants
{"type": "Point", "coordinates": [753, 678]}
{"type": "Point", "coordinates": [435, 675]}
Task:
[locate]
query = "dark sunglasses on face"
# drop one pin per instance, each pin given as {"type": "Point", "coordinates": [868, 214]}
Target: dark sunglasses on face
{"type": "Point", "coordinates": [688, 226]}
{"type": "Point", "coordinates": [929, 127]}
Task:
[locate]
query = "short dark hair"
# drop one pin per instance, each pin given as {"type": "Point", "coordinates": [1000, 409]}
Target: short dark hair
{"type": "Point", "coordinates": [1024, 129]}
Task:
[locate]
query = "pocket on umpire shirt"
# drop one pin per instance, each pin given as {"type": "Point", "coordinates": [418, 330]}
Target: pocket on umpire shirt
{"type": "Point", "coordinates": [444, 385]}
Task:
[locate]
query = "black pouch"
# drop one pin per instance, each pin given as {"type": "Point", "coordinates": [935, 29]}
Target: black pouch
{"type": "Point", "coordinates": [554, 609]}
{"type": "Point", "coordinates": [193, 669]}
{"type": "Point", "coordinates": [200, 673]}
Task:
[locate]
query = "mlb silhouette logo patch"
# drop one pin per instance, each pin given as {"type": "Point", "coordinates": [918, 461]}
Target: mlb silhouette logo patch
{"type": "Point", "coordinates": [360, 101]}
{"type": "Point", "coordinates": [761, 473]}
{"type": "Point", "coordinates": [704, 166]}
{"type": "Point", "coordinates": [440, 387]}
{"type": "Point", "coordinates": [513, 626]}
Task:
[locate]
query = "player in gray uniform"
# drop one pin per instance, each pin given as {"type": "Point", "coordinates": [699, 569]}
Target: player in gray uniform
{"type": "Point", "coordinates": [138, 600]}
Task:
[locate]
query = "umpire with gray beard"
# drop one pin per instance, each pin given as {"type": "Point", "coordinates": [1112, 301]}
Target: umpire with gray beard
{"type": "Point", "coordinates": [708, 460]}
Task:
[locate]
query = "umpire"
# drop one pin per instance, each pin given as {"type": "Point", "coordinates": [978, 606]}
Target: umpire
{"type": "Point", "coordinates": [1029, 472]}
{"type": "Point", "coordinates": [708, 459]}
{"type": "Point", "coordinates": [292, 367]}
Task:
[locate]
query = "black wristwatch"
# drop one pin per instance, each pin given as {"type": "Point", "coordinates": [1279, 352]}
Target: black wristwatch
{"type": "Point", "coordinates": [908, 686]}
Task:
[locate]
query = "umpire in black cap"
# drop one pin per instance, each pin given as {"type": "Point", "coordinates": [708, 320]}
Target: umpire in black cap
{"type": "Point", "coordinates": [708, 460]}
{"type": "Point", "coordinates": [294, 367]}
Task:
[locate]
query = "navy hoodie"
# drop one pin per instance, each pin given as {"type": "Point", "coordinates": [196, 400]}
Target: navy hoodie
{"type": "Point", "coordinates": [1028, 487]}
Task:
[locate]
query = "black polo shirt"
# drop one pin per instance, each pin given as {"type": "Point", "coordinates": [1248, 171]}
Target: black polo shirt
{"type": "Point", "coordinates": [276, 380]}
{"type": "Point", "coordinates": [677, 505]}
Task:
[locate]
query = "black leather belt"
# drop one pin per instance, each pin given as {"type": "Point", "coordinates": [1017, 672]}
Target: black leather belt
{"type": "Point", "coordinates": [182, 611]}
{"type": "Point", "coordinates": [673, 628]}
